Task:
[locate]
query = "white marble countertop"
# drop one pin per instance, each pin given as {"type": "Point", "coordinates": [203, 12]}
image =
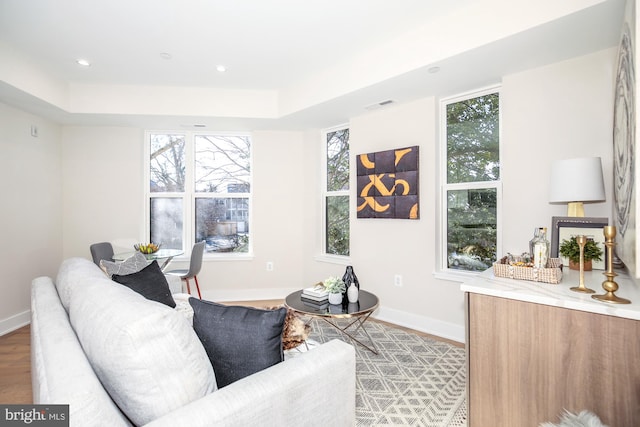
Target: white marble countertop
{"type": "Point", "coordinates": [560, 295]}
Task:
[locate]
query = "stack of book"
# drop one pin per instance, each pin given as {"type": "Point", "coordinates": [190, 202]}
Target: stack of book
{"type": "Point", "coordinates": [316, 296]}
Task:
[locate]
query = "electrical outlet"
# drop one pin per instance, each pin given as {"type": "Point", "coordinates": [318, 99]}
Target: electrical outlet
{"type": "Point", "coordinates": [397, 280]}
{"type": "Point", "coordinates": [269, 266]}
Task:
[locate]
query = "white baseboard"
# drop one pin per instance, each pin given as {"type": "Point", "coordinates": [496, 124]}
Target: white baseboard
{"type": "Point", "coordinates": [401, 318]}
{"type": "Point", "coordinates": [14, 322]}
{"type": "Point", "coordinates": [421, 323]}
{"type": "Point", "coordinates": [223, 295]}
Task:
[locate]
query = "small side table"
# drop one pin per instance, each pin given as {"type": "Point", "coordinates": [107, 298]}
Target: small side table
{"type": "Point", "coordinates": [359, 312]}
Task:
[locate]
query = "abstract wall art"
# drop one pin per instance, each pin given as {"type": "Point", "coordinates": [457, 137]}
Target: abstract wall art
{"type": "Point", "coordinates": [388, 184]}
{"type": "Point", "coordinates": [624, 146]}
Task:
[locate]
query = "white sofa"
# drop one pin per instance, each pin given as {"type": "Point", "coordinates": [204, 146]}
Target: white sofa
{"type": "Point", "coordinates": [95, 343]}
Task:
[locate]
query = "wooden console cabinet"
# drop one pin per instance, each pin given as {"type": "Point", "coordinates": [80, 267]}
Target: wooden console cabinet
{"type": "Point", "coordinates": [535, 349]}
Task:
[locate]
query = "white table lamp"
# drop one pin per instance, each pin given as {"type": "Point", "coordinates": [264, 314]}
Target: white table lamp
{"type": "Point", "coordinates": [575, 181]}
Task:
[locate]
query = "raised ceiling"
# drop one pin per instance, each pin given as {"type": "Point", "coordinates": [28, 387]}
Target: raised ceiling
{"type": "Point", "coordinates": [290, 63]}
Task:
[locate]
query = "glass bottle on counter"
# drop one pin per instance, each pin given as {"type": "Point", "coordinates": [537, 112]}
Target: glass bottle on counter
{"type": "Point", "coordinates": [541, 249]}
{"type": "Point", "coordinates": [532, 242]}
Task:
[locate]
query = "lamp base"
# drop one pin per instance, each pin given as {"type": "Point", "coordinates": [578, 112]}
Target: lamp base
{"type": "Point", "coordinates": [575, 209]}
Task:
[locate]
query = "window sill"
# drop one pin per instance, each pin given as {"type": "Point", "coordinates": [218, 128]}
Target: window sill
{"type": "Point", "coordinates": [229, 257]}
{"type": "Point", "coordinates": [333, 259]}
{"type": "Point", "coordinates": [455, 276]}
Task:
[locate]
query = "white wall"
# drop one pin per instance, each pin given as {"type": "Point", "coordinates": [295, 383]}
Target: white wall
{"type": "Point", "coordinates": [561, 111]}
{"type": "Point", "coordinates": [30, 216]}
{"type": "Point", "coordinates": [103, 188]}
{"type": "Point", "coordinates": [104, 201]}
{"type": "Point", "coordinates": [382, 248]}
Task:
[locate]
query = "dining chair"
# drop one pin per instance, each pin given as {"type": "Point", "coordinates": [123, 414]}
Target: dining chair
{"type": "Point", "coordinates": [195, 264]}
{"type": "Point", "coordinates": [102, 250]}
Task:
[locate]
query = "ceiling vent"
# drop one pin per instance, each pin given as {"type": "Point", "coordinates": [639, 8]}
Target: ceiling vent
{"type": "Point", "coordinates": [378, 105]}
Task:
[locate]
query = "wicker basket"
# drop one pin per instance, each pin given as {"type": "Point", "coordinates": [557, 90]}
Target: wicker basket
{"type": "Point", "coordinates": [551, 274]}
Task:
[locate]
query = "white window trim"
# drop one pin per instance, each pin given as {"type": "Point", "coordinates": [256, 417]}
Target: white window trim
{"type": "Point", "coordinates": [189, 196]}
{"type": "Point", "coordinates": [323, 256]}
{"type": "Point", "coordinates": [442, 270]}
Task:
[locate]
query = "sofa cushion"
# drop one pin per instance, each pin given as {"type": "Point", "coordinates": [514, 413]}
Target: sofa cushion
{"type": "Point", "coordinates": [75, 272]}
{"type": "Point", "coordinates": [146, 354]}
{"type": "Point", "coordinates": [239, 341]}
{"type": "Point", "coordinates": [133, 264]}
{"type": "Point", "coordinates": [148, 282]}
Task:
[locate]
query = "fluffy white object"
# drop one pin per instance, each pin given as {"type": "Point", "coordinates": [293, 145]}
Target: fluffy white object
{"type": "Point", "coordinates": [583, 419]}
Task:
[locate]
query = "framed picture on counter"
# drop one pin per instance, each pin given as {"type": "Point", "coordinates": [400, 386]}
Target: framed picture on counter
{"type": "Point", "coordinates": [566, 227]}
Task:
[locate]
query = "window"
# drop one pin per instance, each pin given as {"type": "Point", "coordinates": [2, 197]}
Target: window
{"type": "Point", "coordinates": [471, 175]}
{"type": "Point", "coordinates": [199, 189]}
{"type": "Point", "coordinates": [336, 192]}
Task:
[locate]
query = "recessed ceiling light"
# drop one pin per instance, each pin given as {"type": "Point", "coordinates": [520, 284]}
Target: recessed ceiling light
{"type": "Point", "coordinates": [433, 70]}
{"type": "Point", "coordinates": [165, 55]}
{"type": "Point", "coordinates": [221, 68]}
{"type": "Point", "coordinates": [83, 62]}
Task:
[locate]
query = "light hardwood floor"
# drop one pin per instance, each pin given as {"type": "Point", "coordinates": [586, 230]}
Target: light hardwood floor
{"type": "Point", "coordinates": [15, 367]}
{"type": "Point", "coordinates": [15, 358]}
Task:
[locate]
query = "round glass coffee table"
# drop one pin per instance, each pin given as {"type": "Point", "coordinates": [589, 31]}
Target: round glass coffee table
{"type": "Point", "coordinates": [359, 312]}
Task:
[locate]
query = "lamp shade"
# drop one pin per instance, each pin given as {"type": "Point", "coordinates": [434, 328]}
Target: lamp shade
{"type": "Point", "coordinates": [577, 180]}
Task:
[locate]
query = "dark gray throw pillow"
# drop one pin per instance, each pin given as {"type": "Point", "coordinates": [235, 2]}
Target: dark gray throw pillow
{"type": "Point", "coordinates": [148, 282]}
{"type": "Point", "coordinates": [239, 341]}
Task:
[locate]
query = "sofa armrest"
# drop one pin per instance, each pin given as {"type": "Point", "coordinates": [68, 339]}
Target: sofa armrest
{"type": "Point", "coordinates": [60, 371]}
{"type": "Point", "coordinates": [316, 388]}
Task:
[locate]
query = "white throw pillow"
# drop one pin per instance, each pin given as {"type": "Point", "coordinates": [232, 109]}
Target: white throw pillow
{"type": "Point", "coordinates": [146, 354]}
{"type": "Point", "coordinates": [73, 273]}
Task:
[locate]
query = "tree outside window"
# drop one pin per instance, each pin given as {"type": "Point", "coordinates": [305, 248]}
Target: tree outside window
{"type": "Point", "coordinates": [337, 192]}
{"type": "Point", "coordinates": [472, 181]}
{"type": "Point", "coordinates": [200, 186]}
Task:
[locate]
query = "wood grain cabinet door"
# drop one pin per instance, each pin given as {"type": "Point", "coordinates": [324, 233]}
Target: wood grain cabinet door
{"type": "Point", "coordinates": [528, 362]}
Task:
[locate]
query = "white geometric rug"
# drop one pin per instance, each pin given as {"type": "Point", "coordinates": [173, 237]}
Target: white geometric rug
{"type": "Point", "coordinates": [412, 381]}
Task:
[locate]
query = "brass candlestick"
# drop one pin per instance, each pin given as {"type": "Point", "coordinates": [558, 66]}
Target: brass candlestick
{"type": "Point", "coordinates": [610, 285]}
{"type": "Point", "coordinates": [582, 240]}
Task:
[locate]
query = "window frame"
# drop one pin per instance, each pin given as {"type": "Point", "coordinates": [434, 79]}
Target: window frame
{"type": "Point", "coordinates": [443, 271]}
{"type": "Point", "coordinates": [190, 195]}
{"type": "Point", "coordinates": [324, 255]}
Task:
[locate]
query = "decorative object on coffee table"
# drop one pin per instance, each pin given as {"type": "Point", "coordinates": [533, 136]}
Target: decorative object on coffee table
{"type": "Point", "coordinates": [352, 293]}
{"type": "Point", "coordinates": [348, 278]}
{"type": "Point", "coordinates": [336, 288]}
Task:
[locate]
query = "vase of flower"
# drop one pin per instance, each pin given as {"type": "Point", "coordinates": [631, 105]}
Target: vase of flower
{"type": "Point", "coordinates": [335, 287]}
{"type": "Point", "coordinates": [335, 298]}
